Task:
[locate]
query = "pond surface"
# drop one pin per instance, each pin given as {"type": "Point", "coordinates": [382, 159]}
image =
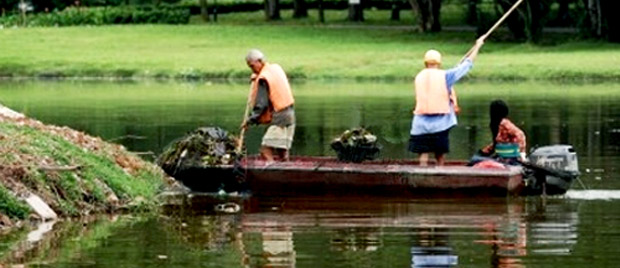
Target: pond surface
{"type": "Point", "coordinates": [147, 116]}
{"type": "Point", "coordinates": [339, 231]}
{"type": "Point", "coordinates": [579, 229]}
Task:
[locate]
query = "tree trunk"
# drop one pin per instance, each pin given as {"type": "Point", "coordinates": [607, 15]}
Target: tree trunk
{"type": "Point", "coordinates": [537, 12]}
{"type": "Point", "coordinates": [515, 22]}
{"type": "Point", "coordinates": [612, 20]}
{"type": "Point", "coordinates": [272, 9]}
{"type": "Point", "coordinates": [321, 11]}
{"type": "Point", "coordinates": [300, 10]}
{"type": "Point", "coordinates": [563, 17]}
{"type": "Point", "coordinates": [472, 12]}
{"type": "Point", "coordinates": [204, 11]}
{"type": "Point", "coordinates": [356, 10]}
{"type": "Point", "coordinates": [395, 11]}
{"type": "Point", "coordinates": [527, 22]}
{"type": "Point", "coordinates": [435, 7]}
{"type": "Point", "coordinates": [595, 12]}
{"type": "Point", "coordinates": [593, 8]}
{"type": "Point", "coordinates": [428, 14]}
{"type": "Point", "coordinates": [421, 8]}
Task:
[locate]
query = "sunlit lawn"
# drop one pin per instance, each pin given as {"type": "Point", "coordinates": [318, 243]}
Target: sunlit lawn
{"type": "Point", "coordinates": [312, 50]}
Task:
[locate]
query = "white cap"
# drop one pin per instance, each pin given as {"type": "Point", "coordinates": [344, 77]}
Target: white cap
{"type": "Point", "coordinates": [255, 55]}
{"type": "Point", "coordinates": [432, 56]}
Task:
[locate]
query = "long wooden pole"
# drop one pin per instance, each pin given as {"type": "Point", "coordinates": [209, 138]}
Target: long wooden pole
{"type": "Point", "coordinates": [484, 36]}
{"type": "Point", "coordinates": [244, 122]}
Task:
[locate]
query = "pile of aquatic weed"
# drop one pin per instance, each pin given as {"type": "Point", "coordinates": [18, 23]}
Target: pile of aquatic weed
{"type": "Point", "coordinates": [75, 174]}
{"type": "Point", "coordinates": [203, 147]}
{"type": "Point", "coordinates": [356, 145]}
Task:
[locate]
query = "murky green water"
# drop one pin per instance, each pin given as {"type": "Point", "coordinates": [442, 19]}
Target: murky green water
{"type": "Point", "coordinates": [573, 231]}
{"type": "Point", "coordinates": [341, 232]}
{"type": "Point", "coordinates": [146, 116]}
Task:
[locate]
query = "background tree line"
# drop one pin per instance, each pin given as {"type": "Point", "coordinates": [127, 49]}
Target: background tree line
{"type": "Point", "coordinates": [593, 18]}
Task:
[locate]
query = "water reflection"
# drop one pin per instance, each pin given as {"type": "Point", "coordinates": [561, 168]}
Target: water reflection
{"type": "Point", "coordinates": [334, 231]}
{"type": "Point", "coordinates": [432, 248]}
{"type": "Point", "coordinates": [329, 232]}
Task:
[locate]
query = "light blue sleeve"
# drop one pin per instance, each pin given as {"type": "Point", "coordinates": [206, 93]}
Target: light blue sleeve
{"type": "Point", "coordinates": [455, 74]}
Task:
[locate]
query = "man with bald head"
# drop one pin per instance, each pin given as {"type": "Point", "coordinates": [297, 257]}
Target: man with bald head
{"type": "Point", "coordinates": [436, 105]}
{"type": "Point", "coordinates": [272, 102]}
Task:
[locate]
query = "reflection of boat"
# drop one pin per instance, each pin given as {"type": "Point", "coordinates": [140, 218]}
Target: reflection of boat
{"type": "Point", "coordinates": [404, 232]}
{"type": "Point", "coordinates": [319, 175]}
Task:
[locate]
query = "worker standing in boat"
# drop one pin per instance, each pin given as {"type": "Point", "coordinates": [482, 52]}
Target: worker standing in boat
{"type": "Point", "coordinates": [272, 101]}
{"type": "Point", "coordinates": [436, 105]}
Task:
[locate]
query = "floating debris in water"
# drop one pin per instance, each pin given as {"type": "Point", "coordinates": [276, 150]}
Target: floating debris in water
{"type": "Point", "coordinates": [356, 145]}
{"type": "Point", "coordinates": [229, 207]}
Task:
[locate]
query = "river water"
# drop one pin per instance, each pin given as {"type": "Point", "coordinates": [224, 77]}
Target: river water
{"type": "Point", "coordinates": [574, 230]}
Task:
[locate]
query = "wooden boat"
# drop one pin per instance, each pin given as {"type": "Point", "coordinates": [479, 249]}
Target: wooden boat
{"type": "Point", "coordinates": [549, 170]}
{"type": "Point", "coordinates": [327, 175]}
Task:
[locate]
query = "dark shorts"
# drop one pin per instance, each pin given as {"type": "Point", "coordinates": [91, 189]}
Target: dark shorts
{"type": "Point", "coordinates": [430, 143]}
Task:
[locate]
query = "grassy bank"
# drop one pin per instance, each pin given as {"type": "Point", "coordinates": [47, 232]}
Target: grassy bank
{"type": "Point", "coordinates": [74, 173]}
{"type": "Point", "coordinates": [310, 51]}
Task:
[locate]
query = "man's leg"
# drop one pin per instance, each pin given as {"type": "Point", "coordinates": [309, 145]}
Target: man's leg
{"type": "Point", "coordinates": [266, 153]}
{"type": "Point", "coordinates": [441, 158]}
{"type": "Point", "coordinates": [423, 159]}
{"type": "Point", "coordinates": [284, 155]}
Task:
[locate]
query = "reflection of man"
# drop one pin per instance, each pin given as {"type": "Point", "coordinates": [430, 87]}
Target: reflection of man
{"type": "Point", "coordinates": [272, 101]}
{"type": "Point", "coordinates": [278, 248]}
{"type": "Point", "coordinates": [436, 107]}
{"type": "Point", "coordinates": [432, 248]}
{"type": "Point", "coordinates": [508, 239]}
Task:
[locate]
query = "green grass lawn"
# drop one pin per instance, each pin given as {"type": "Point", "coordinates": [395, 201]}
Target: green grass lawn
{"type": "Point", "coordinates": [312, 51]}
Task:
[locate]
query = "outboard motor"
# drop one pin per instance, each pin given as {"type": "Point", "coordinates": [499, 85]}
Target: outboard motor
{"type": "Point", "coordinates": [555, 166]}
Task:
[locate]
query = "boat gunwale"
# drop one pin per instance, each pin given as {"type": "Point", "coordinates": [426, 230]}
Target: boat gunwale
{"type": "Point", "coordinates": [453, 168]}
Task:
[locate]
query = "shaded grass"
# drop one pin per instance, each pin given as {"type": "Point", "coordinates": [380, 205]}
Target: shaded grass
{"type": "Point", "coordinates": [10, 206]}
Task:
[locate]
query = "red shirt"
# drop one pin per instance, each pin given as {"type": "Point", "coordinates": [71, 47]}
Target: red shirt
{"type": "Point", "coordinates": [508, 133]}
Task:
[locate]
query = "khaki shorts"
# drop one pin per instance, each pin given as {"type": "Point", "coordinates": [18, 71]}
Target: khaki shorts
{"type": "Point", "coordinates": [279, 137]}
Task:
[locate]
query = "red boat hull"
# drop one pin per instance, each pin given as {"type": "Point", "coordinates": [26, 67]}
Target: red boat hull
{"type": "Point", "coordinates": [326, 175]}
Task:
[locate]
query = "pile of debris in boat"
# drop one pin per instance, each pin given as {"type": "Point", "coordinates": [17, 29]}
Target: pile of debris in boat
{"type": "Point", "coordinates": [356, 145]}
{"type": "Point", "coordinates": [203, 148]}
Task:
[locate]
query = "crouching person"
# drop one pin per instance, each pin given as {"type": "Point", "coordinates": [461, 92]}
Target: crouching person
{"type": "Point", "coordinates": [509, 142]}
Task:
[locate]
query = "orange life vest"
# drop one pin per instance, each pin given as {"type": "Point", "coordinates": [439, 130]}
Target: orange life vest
{"type": "Point", "coordinates": [280, 94]}
{"type": "Point", "coordinates": [431, 93]}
